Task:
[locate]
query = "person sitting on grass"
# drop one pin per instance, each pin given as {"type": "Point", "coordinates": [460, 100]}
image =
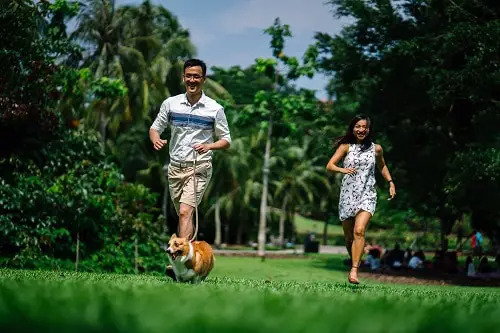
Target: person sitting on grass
{"type": "Point", "coordinates": [417, 260]}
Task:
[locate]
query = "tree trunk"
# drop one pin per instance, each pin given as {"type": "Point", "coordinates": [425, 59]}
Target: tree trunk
{"type": "Point", "coordinates": [282, 221]}
{"type": "Point", "coordinates": [291, 217]}
{"type": "Point", "coordinates": [292, 220]}
{"type": "Point", "coordinates": [263, 200]}
{"type": "Point", "coordinates": [226, 232]}
{"type": "Point", "coordinates": [77, 250]}
{"type": "Point", "coordinates": [218, 226]}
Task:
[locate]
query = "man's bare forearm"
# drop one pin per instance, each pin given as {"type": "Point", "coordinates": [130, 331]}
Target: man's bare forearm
{"type": "Point", "coordinates": [153, 135]}
{"type": "Point", "coordinates": [220, 144]}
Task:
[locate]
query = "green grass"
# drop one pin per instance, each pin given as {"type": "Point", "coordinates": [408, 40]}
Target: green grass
{"type": "Point", "coordinates": [304, 225]}
{"type": "Point", "coordinates": [242, 295]}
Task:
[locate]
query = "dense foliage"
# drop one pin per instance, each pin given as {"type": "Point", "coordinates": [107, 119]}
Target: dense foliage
{"type": "Point", "coordinates": [61, 197]}
{"type": "Point", "coordinates": [428, 74]}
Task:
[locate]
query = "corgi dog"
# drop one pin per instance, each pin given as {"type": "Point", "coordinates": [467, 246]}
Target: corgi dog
{"type": "Point", "coordinates": [191, 261]}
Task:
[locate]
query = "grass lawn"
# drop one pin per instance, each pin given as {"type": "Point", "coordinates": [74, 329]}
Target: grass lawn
{"type": "Point", "coordinates": [242, 295]}
{"type": "Point", "coordinates": [304, 225]}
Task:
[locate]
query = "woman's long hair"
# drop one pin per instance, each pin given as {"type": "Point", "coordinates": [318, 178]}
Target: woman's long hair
{"type": "Point", "coordinates": [349, 138]}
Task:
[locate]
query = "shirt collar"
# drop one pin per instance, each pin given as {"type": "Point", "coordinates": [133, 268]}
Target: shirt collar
{"type": "Point", "coordinates": [201, 101]}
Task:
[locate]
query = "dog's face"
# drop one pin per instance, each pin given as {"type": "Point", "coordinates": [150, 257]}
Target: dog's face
{"type": "Point", "coordinates": [177, 246]}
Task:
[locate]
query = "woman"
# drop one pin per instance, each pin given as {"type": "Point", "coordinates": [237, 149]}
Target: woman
{"type": "Point", "coordinates": [358, 197]}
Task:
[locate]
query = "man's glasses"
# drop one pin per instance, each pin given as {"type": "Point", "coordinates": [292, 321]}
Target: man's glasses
{"type": "Point", "coordinates": [193, 77]}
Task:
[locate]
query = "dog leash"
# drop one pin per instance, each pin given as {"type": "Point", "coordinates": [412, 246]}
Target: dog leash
{"type": "Point", "coordinates": [195, 155]}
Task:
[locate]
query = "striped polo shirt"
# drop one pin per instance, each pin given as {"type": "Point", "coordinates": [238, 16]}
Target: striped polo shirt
{"type": "Point", "coordinates": [191, 125]}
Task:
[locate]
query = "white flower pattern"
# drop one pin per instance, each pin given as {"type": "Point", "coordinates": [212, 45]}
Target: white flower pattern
{"type": "Point", "coordinates": [358, 190]}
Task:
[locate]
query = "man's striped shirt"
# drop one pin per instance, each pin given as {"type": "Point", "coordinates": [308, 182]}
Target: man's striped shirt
{"type": "Point", "coordinates": [191, 125]}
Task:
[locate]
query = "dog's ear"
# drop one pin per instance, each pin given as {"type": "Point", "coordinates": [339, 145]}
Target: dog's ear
{"type": "Point", "coordinates": [173, 236]}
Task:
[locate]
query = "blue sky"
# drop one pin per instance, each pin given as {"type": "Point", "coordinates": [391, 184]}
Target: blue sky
{"type": "Point", "coordinates": [230, 32]}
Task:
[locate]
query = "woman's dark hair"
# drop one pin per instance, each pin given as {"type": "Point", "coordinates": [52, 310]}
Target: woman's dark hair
{"type": "Point", "coordinates": [349, 137]}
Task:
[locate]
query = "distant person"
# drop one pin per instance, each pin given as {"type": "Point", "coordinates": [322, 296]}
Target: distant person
{"type": "Point", "coordinates": [194, 119]}
{"type": "Point", "coordinates": [469, 267]}
{"type": "Point", "coordinates": [373, 259]}
{"type": "Point", "coordinates": [484, 266]}
{"type": "Point", "coordinates": [397, 257]}
{"type": "Point", "coordinates": [417, 260]}
{"type": "Point", "coordinates": [358, 197]}
{"type": "Point", "coordinates": [476, 243]}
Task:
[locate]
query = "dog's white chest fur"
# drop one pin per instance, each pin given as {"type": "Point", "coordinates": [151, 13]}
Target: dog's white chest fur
{"type": "Point", "coordinates": [179, 265]}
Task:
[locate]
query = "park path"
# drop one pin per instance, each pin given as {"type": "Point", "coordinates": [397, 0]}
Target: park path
{"type": "Point", "coordinates": [328, 249]}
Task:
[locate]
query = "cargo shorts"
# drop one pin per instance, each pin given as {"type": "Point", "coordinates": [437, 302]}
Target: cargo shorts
{"type": "Point", "coordinates": [181, 184]}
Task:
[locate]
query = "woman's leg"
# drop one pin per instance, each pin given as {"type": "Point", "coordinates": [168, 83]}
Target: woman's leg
{"type": "Point", "coordinates": [348, 226]}
{"type": "Point", "coordinates": [358, 243]}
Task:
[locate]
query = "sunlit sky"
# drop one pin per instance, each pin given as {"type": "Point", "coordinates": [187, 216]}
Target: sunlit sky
{"type": "Point", "coordinates": [230, 32]}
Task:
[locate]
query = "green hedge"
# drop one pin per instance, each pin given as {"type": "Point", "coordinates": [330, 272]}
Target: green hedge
{"type": "Point", "coordinates": [69, 190]}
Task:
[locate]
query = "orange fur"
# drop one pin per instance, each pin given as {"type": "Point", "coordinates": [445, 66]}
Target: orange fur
{"type": "Point", "coordinates": [191, 262]}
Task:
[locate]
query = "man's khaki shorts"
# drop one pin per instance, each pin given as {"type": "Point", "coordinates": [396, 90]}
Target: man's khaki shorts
{"type": "Point", "coordinates": [180, 183]}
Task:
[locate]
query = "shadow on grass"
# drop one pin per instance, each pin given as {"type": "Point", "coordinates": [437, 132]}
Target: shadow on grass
{"type": "Point", "coordinates": [424, 277]}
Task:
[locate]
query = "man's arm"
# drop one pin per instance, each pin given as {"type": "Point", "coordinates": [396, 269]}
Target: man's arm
{"type": "Point", "coordinates": [221, 132]}
{"type": "Point", "coordinates": [159, 126]}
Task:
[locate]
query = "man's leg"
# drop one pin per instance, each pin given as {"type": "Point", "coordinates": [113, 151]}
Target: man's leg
{"type": "Point", "coordinates": [186, 220]}
{"type": "Point", "coordinates": [187, 200]}
{"type": "Point", "coordinates": [175, 186]}
{"type": "Point", "coordinates": [176, 182]}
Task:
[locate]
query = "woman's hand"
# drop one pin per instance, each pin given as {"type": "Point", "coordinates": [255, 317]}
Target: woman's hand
{"type": "Point", "coordinates": [392, 190]}
{"type": "Point", "coordinates": [348, 171]}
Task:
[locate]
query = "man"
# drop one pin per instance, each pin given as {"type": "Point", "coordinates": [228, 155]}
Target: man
{"type": "Point", "coordinates": [194, 119]}
{"type": "Point", "coordinates": [477, 243]}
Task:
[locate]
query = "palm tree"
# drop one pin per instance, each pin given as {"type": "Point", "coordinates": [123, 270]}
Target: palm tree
{"type": "Point", "coordinates": [301, 179]}
{"type": "Point", "coordinates": [99, 30]}
{"type": "Point", "coordinates": [233, 186]}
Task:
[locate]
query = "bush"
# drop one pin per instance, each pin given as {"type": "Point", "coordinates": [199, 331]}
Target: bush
{"type": "Point", "coordinates": [73, 191]}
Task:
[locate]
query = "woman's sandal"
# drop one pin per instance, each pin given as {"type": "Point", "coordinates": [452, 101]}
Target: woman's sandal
{"type": "Point", "coordinates": [351, 280]}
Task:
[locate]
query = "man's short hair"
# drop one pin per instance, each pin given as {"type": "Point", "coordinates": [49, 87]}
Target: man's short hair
{"type": "Point", "coordinates": [196, 62]}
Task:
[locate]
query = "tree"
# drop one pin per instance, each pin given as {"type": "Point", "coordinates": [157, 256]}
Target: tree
{"type": "Point", "coordinates": [30, 77]}
{"type": "Point", "coordinates": [299, 178]}
{"type": "Point", "coordinates": [276, 110]}
{"type": "Point", "coordinates": [242, 83]}
{"type": "Point", "coordinates": [427, 72]}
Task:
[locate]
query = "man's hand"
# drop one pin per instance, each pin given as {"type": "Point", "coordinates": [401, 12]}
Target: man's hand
{"type": "Point", "coordinates": [159, 143]}
{"type": "Point", "coordinates": [202, 147]}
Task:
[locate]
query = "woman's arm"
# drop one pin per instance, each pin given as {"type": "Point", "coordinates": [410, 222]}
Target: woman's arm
{"type": "Point", "coordinates": [337, 156]}
{"type": "Point", "coordinates": [384, 170]}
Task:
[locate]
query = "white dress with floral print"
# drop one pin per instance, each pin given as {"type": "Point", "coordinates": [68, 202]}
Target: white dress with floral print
{"type": "Point", "coordinates": [358, 190]}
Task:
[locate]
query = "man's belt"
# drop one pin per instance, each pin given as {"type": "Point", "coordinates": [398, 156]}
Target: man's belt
{"type": "Point", "coordinates": [186, 164]}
